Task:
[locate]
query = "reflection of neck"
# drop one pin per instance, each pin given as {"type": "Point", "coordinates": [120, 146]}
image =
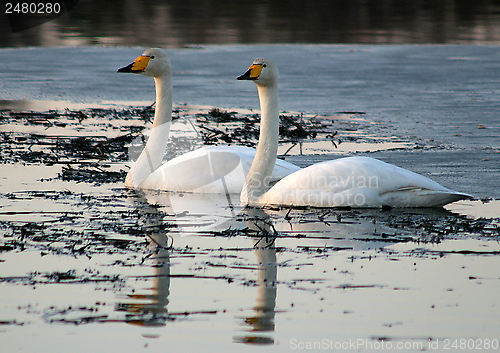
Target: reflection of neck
{"type": "Point", "coordinates": [152, 156]}
{"type": "Point", "coordinates": [161, 285]}
{"type": "Point", "coordinates": [257, 181]}
{"type": "Point", "coordinates": [266, 295]}
{"type": "Point", "coordinates": [265, 252]}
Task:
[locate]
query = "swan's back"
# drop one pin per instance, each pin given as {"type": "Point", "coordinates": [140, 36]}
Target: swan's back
{"type": "Point", "coordinates": [211, 169]}
{"type": "Point", "coordinates": [358, 182]}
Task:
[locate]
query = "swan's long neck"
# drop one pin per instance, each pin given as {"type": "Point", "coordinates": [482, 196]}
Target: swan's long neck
{"type": "Point", "coordinates": [152, 155]}
{"type": "Point", "coordinates": [259, 176]}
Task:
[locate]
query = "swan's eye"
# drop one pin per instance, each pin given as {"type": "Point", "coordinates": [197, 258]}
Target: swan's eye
{"type": "Point", "coordinates": [264, 65]}
{"type": "Point", "coordinates": [152, 57]}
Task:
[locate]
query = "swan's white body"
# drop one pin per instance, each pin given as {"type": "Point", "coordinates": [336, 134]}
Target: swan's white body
{"type": "Point", "coordinates": [216, 169]}
{"type": "Point", "coordinates": [360, 182]}
{"type": "Point", "coordinates": [211, 169]}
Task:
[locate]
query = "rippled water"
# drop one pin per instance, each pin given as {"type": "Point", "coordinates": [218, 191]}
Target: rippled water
{"type": "Point", "coordinates": [88, 265]}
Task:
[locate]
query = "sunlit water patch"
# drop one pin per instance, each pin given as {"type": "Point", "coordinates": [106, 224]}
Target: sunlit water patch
{"type": "Point", "coordinates": [84, 260]}
{"type": "Point", "coordinates": [476, 209]}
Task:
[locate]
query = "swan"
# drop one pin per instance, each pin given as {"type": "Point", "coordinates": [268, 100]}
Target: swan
{"type": "Point", "coordinates": [358, 182]}
{"type": "Point", "coordinates": [211, 169]}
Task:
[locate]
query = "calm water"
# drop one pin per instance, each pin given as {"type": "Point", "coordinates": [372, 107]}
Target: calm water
{"type": "Point", "coordinates": [179, 23]}
{"type": "Point", "coordinates": [90, 265]}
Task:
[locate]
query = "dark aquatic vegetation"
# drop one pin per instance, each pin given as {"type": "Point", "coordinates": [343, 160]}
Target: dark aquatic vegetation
{"type": "Point", "coordinates": [68, 204]}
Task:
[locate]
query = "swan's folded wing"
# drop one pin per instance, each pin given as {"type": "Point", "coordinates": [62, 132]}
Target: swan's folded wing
{"type": "Point", "coordinates": [211, 169]}
{"type": "Point", "coordinates": [358, 182]}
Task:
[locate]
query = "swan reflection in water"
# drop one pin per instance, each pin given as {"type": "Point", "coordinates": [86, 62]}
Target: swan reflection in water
{"type": "Point", "coordinates": [164, 216]}
{"type": "Point", "coordinates": [262, 320]}
{"type": "Point", "coordinates": [151, 309]}
{"type": "Point", "coordinates": [216, 213]}
{"type": "Point", "coordinates": [168, 216]}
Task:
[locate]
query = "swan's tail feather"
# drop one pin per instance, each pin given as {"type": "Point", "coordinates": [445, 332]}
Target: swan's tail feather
{"type": "Point", "coordinates": [455, 196]}
{"type": "Point", "coordinates": [423, 198]}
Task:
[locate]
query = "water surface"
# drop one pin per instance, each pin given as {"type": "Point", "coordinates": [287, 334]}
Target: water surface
{"type": "Point", "coordinates": [88, 264]}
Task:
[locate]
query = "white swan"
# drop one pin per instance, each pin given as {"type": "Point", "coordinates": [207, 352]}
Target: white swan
{"type": "Point", "coordinates": [214, 169]}
{"type": "Point", "coordinates": [353, 181]}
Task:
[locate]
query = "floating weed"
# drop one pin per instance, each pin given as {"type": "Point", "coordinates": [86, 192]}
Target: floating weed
{"type": "Point", "coordinates": [90, 147]}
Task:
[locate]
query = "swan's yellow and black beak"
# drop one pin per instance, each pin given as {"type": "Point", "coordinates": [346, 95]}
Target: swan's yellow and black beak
{"type": "Point", "coordinates": [253, 72]}
{"type": "Point", "coordinates": [138, 66]}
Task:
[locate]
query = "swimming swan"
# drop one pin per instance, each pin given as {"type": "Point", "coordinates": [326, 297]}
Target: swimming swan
{"type": "Point", "coordinates": [360, 182]}
{"type": "Point", "coordinates": [211, 169]}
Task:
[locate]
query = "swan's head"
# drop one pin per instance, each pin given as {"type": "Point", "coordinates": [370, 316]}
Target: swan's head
{"type": "Point", "coordinates": [153, 62]}
{"type": "Point", "coordinates": [263, 72]}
